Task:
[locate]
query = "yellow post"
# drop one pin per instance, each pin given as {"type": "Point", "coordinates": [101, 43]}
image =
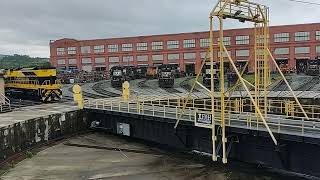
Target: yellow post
{"type": "Point", "coordinates": [224, 140]}
{"type": "Point", "coordinates": [125, 91]}
{"type": "Point", "coordinates": [213, 128]}
{"type": "Point", "coordinates": [77, 95]}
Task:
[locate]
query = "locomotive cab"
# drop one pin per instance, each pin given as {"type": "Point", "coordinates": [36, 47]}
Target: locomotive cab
{"type": "Point", "coordinates": [166, 76]}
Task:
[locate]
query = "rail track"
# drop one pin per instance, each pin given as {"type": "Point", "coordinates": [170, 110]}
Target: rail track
{"type": "Point", "coordinates": [309, 84]}
{"type": "Point", "coordinates": [185, 85]}
{"type": "Point", "coordinates": [97, 88]}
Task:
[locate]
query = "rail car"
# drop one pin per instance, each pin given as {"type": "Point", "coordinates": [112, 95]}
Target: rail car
{"type": "Point", "coordinates": [121, 74]}
{"type": "Point", "coordinates": [313, 67]}
{"type": "Point", "coordinates": [166, 76]}
{"type": "Point", "coordinates": [39, 83]}
{"type": "Point", "coordinates": [206, 78]}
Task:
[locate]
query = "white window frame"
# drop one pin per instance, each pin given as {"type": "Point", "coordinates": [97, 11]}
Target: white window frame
{"type": "Point", "coordinates": [157, 45]}
{"type": "Point", "coordinates": [226, 40]}
{"type": "Point", "coordinates": [281, 51]}
{"type": "Point", "coordinates": [242, 40]}
{"type": "Point", "coordinates": [85, 49]}
{"type": "Point", "coordinates": [98, 49]}
{"type": "Point", "coordinates": [60, 51]}
{"type": "Point", "coordinates": [318, 35]}
{"type": "Point", "coordinates": [157, 59]}
{"type": "Point", "coordinates": [127, 47]}
{"type": "Point", "coordinates": [204, 42]}
{"type": "Point", "coordinates": [281, 37]}
{"type": "Point", "coordinates": [72, 50]}
{"type": "Point", "coordinates": [142, 58]}
{"type": "Point", "coordinates": [189, 56]}
{"type": "Point", "coordinates": [173, 56]}
{"type": "Point", "coordinates": [242, 52]}
{"type": "Point", "coordinates": [301, 36]}
{"type": "Point", "coordinates": [113, 59]}
{"type": "Point", "coordinates": [189, 43]}
{"type": "Point", "coordinates": [142, 46]}
{"type": "Point", "coordinates": [298, 50]}
{"type": "Point", "coordinates": [173, 44]}
{"type": "Point", "coordinates": [113, 48]}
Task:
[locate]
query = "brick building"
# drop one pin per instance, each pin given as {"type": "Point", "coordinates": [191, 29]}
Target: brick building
{"type": "Point", "coordinates": [292, 44]}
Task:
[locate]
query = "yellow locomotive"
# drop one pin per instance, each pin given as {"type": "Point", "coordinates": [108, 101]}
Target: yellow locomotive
{"type": "Point", "coordinates": [35, 82]}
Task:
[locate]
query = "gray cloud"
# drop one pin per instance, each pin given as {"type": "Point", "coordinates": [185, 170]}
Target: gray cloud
{"type": "Point", "coordinates": [27, 26]}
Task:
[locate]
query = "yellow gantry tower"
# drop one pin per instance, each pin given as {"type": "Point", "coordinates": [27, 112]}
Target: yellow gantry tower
{"type": "Point", "coordinates": [258, 15]}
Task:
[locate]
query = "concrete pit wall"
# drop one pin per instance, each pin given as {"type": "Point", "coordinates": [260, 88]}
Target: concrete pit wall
{"type": "Point", "coordinates": [22, 136]}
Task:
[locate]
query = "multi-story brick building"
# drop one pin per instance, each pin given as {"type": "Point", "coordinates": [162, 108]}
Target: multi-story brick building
{"type": "Point", "coordinates": [293, 44]}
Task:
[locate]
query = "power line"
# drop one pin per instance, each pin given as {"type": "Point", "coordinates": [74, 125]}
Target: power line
{"type": "Point", "coordinates": [305, 2]}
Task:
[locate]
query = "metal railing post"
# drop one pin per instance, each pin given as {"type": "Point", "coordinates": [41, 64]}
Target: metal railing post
{"type": "Point", "coordinates": [302, 126]}
{"type": "Point", "coordinates": [152, 109]}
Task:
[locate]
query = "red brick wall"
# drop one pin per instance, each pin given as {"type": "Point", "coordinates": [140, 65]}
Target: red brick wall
{"type": "Point", "coordinates": [64, 43]}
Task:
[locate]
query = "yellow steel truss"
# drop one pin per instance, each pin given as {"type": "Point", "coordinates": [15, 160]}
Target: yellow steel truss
{"type": "Point", "coordinates": [242, 10]}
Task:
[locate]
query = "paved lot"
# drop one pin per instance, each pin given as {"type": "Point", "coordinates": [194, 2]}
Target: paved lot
{"type": "Point", "coordinates": [133, 161]}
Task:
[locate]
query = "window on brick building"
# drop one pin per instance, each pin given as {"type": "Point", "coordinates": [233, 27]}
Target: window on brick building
{"type": "Point", "coordinates": [113, 59]}
{"type": "Point", "coordinates": [85, 49]}
{"type": "Point", "coordinates": [189, 43]}
{"type": "Point", "coordinates": [189, 56]}
{"type": "Point", "coordinates": [100, 60]}
{"type": "Point", "coordinates": [72, 50]}
{"type": "Point", "coordinates": [242, 52]}
{"type": "Point", "coordinates": [60, 51]}
{"type": "Point", "coordinates": [113, 48]}
{"type": "Point", "coordinates": [98, 49]}
{"type": "Point", "coordinates": [302, 36]}
{"type": "Point", "coordinates": [142, 58]}
{"type": "Point", "coordinates": [204, 42]}
{"type": "Point", "coordinates": [157, 57]}
{"type": "Point", "coordinates": [318, 49]}
{"type": "Point", "coordinates": [302, 50]}
{"type": "Point", "coordinates": [281, 37]}
{"type": "Point", "coordinates": [172, 44]}
{"type": "Point", "coordinates": [142, 46]}
{"type": "Point", "coordinates": [173, 56]}
{"type": "Point", "coordinates": [61, 61]}
{"type": "Point", "coordinates": [224, 54]}
{"type": "Point", "coordinates": [158, 45]}
{"type": "Point", "coordinates": [318, 35]}
{"type": "Point", "coordinates": [126, 47]}
{"type": "Point", "coordinates": [242, 40]}
{"type": "Point", "coordinates": [226, 40]}
{"type": "Point", "coordinates": [127, 58]}
{"type": "Point", "coordinates": [86, 60]}
{"type": "Point", "coordinates": [72, 61]}
{"type": "Point", "coordinates": [281, 51]}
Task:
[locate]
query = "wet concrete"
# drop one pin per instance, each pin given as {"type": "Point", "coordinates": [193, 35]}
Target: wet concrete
{"type": "Point", "coordinates": [133, 161]}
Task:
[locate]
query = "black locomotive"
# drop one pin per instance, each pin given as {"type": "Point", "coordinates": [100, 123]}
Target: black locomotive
{"type": "Point", "coordinates": [166, 75]}
{"type": "Point", "coordinates": [206, 78]}
{"type": "Point", "coordinates": [121, 74]}
{"type": "Point", "coordinates": [313, 67]}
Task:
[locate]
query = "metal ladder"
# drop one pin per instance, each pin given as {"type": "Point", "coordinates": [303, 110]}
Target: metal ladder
{"type": "Point", "coordinates": [5, 104]}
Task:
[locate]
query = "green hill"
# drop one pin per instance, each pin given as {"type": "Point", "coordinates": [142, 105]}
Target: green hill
{"type": "Point", "coordinates": [20, 61]}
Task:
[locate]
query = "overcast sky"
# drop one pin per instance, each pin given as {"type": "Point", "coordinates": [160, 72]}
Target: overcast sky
{"type": "Point", "coordinates": [27, 26]}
